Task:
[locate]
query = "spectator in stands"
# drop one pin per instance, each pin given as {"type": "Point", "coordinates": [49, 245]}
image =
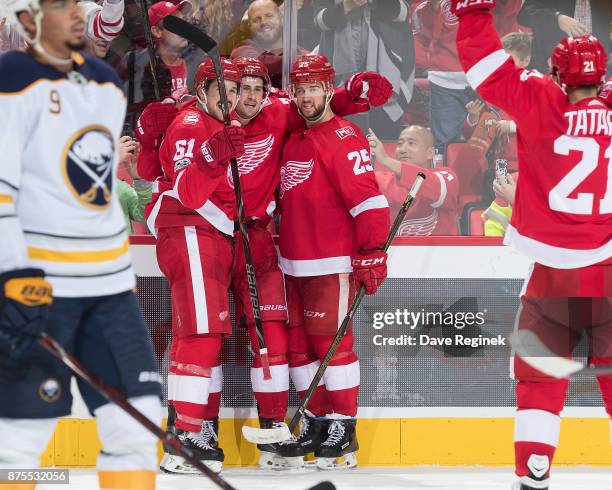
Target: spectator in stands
{"type": "Point", "coordinates": [435, 33]}
{"type": "Point", "coordinates": [10, 39]}
{"type": "Point", "coordinates": [266, 39]}
{"type": "Point", "coordinates": [169, 46]}
{"type": "Point", "coordinates": [225, 21]}
{"type": "Point", "coordinates": [362, 35]}
{"type": "Point", "coordinates": [435, 212]}
{"type": "Point", "coordinates": [498, 214]}
{"type": "Point", "coordinates": [490, 133]}
{"type": "Point", "coordinates": [133, 199]}
{"type": "Point", "coordinates": [552, 20]}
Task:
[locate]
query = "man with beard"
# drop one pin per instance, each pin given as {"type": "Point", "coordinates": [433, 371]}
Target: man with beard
{"type": "Point", "coordinates": [333, 227]}
{"type": "Point", "coordinates": [266, 25]}
{"type": "Point", "coordinates": [267, 122]}
{"type": "Point", "coordinates": [65, 266]}
{"type": "Point", "coordinates": [192, 215]}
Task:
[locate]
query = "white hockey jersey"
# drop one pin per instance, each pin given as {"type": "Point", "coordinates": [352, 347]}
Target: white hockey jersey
{"type": "Point", "coordinates": [58, 208]}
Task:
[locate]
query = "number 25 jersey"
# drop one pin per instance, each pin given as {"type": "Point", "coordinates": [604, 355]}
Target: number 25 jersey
{"type": "Point", "coordinates": [331, 206]}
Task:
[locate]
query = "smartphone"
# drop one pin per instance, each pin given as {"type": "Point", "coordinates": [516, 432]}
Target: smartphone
{"type": "Point", "coordinates": [501, 169]}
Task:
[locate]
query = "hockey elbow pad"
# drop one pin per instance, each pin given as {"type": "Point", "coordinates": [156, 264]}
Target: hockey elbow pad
{"type": "Point", "coordinates": [25, 297]}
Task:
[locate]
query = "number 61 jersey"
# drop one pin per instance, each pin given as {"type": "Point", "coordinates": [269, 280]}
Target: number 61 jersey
{"type": "Point", "coordinates": [58, 207]}
{"type": "Point", "coordinates": [331, 206]}
{"type": "Point", "coordinates": [562, 215]}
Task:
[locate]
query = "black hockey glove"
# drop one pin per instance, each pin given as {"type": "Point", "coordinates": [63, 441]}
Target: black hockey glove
{"type": "Point", "coordinates": [25, 297]}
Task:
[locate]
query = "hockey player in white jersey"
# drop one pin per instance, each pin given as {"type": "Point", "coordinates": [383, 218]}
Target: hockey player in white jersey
{"type": "Point", "coordinates": [65, 266]}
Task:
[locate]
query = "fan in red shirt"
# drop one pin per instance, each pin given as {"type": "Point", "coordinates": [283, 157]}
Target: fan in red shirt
{"type": "Point", "coordinates": [192, 213]}
{"type": "Point", "coordinates": [436, 210]}
{"type": "Point", "coordinates": [334, 222]}
{"type": "Point", "coordinates": [562, 215]}
{"type": "Point", "coordinates": [268, 120]}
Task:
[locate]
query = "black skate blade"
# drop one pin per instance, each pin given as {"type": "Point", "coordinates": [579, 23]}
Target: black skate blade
{"type": "Point", "coordinates": [324, 485]}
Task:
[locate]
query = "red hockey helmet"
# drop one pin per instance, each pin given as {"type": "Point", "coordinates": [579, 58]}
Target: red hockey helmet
{"type": "Point", "coordinates": [206, 71]}
{"type": "Point", "coordinates": [252, 67]}
{"type": "Point", "coordinates": [312, 68]}
{"type": "Point", "coordinates": [579, 61]}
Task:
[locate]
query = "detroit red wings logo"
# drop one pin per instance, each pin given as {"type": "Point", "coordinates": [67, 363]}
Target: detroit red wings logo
{"type": "Point", "coordinates": [254, 154]}
{"type": "Point", "coordinates": [294, 173]}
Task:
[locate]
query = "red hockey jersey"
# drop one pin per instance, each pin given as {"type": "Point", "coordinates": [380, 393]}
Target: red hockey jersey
{"type": "Point", "coordinates": [331, 206]}
{"type": "Point", "coordinates": [435, 32]}
{"type": "Point", "coordinates": [434, 211]}
{"type": "Point", "coordinates": [562, 214]}
{"type": "Point", "coordinates": [186, 195]}
{"type": "Point", "coordinates": [265, 137]}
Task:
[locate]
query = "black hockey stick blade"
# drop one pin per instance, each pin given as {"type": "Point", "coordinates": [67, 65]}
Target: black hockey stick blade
{"type": "Point", "coordinates": [324, 485]}
{"type": "Point", "coordinates": [116, 397]}
{"type": "Point", "coordinates": [190, 32]}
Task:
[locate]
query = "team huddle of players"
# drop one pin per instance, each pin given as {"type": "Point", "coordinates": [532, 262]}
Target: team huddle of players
{"type": "Point", "coordinates": [67, 270]}
{"type": "Point", "coordinates": [298, 152]}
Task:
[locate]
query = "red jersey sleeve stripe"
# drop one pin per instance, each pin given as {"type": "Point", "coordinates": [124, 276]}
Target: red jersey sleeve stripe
{"type": "Point", "coordinates": [443, 191]}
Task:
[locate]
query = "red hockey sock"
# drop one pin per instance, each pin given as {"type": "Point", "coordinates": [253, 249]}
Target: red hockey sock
{"type": "Point", "coordinates": [342, 375]}
{"type": "Point", "coordinates": [197, 380]}
{"type": "Point", "coordinates": [271, 394]}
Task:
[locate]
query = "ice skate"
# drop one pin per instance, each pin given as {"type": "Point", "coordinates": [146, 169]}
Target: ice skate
{"type": "Point", "coordinates": [521, 486]}
{"type": "Point", "coordinates": [280, 456]}
{"type": "Point", "coordinates": [338, 450]}
{"type": "Point", "coordinates": [205, 446]}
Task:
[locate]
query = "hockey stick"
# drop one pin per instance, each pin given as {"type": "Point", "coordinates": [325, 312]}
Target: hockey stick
{"type": "Point", "coordinates": [114, 396]}
{"type": "Point", "coordinates": [150, 48]}
{"type": "Point", "coordinates": [530, 348]}
{"type": "Point", "coordinates": [268, 436]}
{"type": "Point", "coordinates": [205, 42]}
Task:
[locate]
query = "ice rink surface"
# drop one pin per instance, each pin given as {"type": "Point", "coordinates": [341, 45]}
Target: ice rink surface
{"type": "Point", "coordinates": [368, 478]}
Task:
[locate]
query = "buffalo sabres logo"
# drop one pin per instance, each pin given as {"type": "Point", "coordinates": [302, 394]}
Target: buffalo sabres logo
{"type": "Point", "coordinates": [50, 390]}
{"type": "Point", "coordinates": [294, 173]}
{"type": "Point", "coordinates": [88, 165]}
{"type": "Point", "coordinates": [254, 154]}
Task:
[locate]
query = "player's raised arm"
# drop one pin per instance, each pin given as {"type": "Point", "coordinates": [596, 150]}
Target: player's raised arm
{"type": "Point", "coordinates": [489, 69]}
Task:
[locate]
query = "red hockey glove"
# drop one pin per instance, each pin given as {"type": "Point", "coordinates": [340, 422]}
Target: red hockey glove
{"type": "Point", "coordinates": [370, 269]}
{"type": "Point", "coordinates": [606, 93]}
{"type": "Point", "coordinates": [379, 88]}
{"type": "Point", "coordinates": [153, 122]}
{"type": "Point", "coordinates": [462, 7]}
{"type": "Point", "coordinates": [220, 147]}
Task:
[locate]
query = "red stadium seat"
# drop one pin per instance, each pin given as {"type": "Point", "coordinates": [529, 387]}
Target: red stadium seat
{"type": "Point", "coordinates": [471, 219]}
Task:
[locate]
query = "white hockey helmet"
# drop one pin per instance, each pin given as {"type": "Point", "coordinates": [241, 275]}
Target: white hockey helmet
{"type": "Point", "coordinates": [12, 8]}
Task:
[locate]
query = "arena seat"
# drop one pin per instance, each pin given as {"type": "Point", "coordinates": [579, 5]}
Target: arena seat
{"type": "Point", "coordinates": [471, 219]}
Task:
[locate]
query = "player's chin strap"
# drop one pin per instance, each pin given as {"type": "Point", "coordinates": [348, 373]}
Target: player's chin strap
{"type": "Point", "coordinates": [261, 106]}
{"type": "Point", "coordinates": [35, 42]}
{"type": "Point", "coordinates": [202, 100]}
{"type": "Point", "coordinates": [329, 94]}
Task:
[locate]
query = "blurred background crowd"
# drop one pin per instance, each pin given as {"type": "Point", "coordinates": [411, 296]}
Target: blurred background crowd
{"type": "Point", "coordinates": [434, 121]}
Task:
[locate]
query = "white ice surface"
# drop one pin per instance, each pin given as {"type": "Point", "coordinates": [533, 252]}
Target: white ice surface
{"type": "Point", "coordinates": [429, 478]}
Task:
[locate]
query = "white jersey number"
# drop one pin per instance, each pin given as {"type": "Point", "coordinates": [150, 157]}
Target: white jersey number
{"type": "Point", "coordinates": [558, 199]}
{"type": "Point", "coordinates": [184, 149]}
{"type": "Point", "coordinates": [362, 161]}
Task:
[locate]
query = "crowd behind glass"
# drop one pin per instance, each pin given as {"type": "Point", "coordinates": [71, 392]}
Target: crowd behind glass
{"type": "Point", "coordinates": [434, 119]}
